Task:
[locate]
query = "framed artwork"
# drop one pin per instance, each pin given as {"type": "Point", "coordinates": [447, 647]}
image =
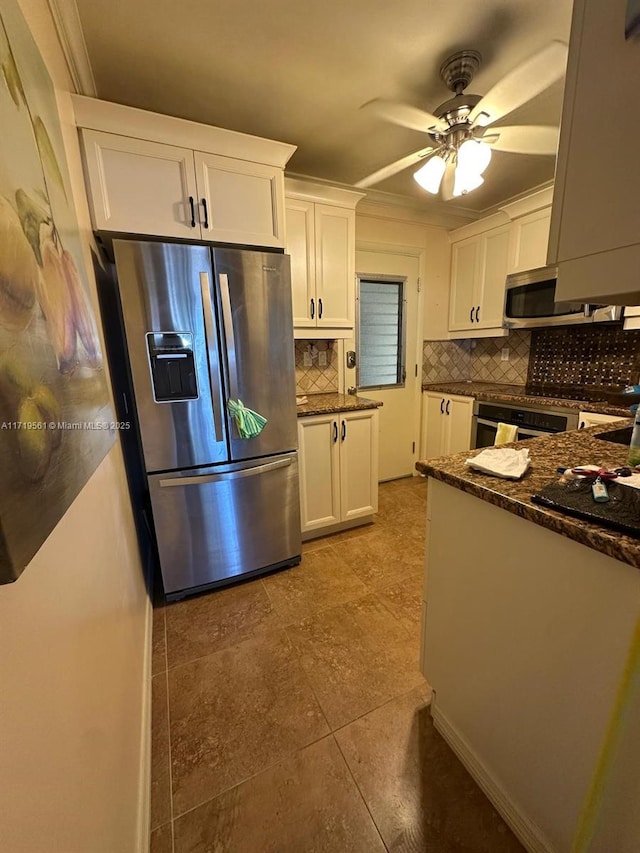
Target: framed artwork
{"type": "Point", "coordinates": [632, 22]}
{"type": "Point", "coordinates": [55, 415]}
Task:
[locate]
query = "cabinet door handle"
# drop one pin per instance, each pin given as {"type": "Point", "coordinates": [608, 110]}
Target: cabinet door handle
{"type": "Point", "coordinates": [193, 212]}
{"type": "Point", "coordinates": [344, 430]}
{"type": "Point", "coordinates": [471, 314]}
{"type": "Point", "coordinates": [448, 404]}
{"type": "Point", "coordinates": [319, 309]}
{"type": "Point", "coordinates": [335, 431]}
{"type": "Point", "coordinates": [478, 314]}
{"type": "Point", "coordinates": [442, 406]}
{"type": "Point", "coordinates": [205, 224]}
{"type": "Point", "coordinates": [313, 308]}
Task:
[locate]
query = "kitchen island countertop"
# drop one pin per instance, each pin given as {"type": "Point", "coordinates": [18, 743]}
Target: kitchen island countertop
{"type": "Point", "coordinates": [578, 447]}
{"type": "Point", "coordinates": [493, 392]}
{"type": "Point", "coordinates": [323, 404]}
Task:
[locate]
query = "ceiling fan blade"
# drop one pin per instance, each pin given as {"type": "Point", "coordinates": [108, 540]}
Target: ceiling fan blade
{"type": "Point", "coordinates": [404, 115]}
{"type": "Point", "coordinates": [393, 168]}
{"type": "Point", "coordinates": [526, 139]}
{"type": "Point", "coordinates": [523, 83]}
{"type": "Point", "coordinates": [448, 180]}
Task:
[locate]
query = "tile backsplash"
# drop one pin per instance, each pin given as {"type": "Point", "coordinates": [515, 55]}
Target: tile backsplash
{"type": "Point", "coordinates": [460, 361]}
{"type": "Point", "coordinates": [585, 355]}
{"type": "Point", "coordinates": [487, 364]}
{"type": "Point", "coordinates": [600, 354]}
{"type": "Point", "coordinates": [446, 361]}
{"type": "Point", "coordinates": [316, 379]}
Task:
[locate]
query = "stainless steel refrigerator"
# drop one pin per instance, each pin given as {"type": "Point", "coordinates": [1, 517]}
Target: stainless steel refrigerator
{"type": "Point", "coordinates": [204, 325]}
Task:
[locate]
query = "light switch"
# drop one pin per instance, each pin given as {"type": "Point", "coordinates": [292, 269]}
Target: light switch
{"type": "Point", "coordinates": [306, 359]}
{"type": "Point", "coordinates": [322, 358]}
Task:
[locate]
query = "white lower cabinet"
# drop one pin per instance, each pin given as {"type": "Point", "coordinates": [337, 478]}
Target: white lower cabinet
{"type": "Point", "coordinates": [338, 468]}
{"type": "Point", "coordinates": [446, 424]}
{"type": "Point", "coordinates": [589, 419]}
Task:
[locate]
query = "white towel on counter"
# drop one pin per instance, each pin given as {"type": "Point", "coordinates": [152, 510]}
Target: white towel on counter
{"type": "Point", "coordinates": [501, 462]}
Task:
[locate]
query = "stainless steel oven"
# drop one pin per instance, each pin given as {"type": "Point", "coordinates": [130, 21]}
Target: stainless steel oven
{"type": "Point", "coordinates": [531, 421]}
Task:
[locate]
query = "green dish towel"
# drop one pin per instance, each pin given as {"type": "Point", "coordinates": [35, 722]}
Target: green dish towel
{"type": "Point", "coordinates": [248, 423]}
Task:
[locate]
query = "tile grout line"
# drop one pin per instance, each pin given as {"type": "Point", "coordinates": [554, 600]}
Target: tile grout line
{"type": "Point", "coordinates": [253, 775]}
{"type": "Point", "coordinates": [166, 646]}
{"type": "Point", "coordinates": [366, 805]}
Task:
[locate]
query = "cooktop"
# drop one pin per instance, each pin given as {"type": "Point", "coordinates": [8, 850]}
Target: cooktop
{"type": "Point", "coordinates": [592, 393]}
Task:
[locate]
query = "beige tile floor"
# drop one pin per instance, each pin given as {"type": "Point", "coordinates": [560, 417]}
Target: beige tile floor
{"type": "Point", "coordinates": [290, 716]}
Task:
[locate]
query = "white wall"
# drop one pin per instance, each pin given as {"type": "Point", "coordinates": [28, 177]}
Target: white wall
{"type": "Point", "coordinates": [74, 635]}
{"type": "Point", "coordinates": [376, 224]}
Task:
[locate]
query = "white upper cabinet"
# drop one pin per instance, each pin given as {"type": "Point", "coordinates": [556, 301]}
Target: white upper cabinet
{"type": "Point", "coordinates": [335, 230]}
{"type": "Point", "coordinates": [300, 245]}
{"type": "Point", "coordinates": [240, 202]}
{"type": "Point", "coordinates": [321, 240]}
{"type": "Point", "coordinates": [140, 187]}
{"type": "Point", "coordinates": [530, 241]}
{"type": "Point", "coordinates": [479, 266]}
{"type": "Point", "coordinates": [166, 177]}
{"type": "Point", "coordinates": [595, 229]}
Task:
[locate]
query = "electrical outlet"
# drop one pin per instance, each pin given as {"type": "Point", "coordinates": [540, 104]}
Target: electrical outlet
{"type": "Point", "coordinates": [306, 359]}
{"type": "Point", "coordinates": [322, 358]}
{"type": "Point", "coordinates": [504, 354]}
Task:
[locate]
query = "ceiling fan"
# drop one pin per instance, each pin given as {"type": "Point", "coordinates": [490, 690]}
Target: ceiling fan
{"type": "Point", "coordinates": [460, 147]}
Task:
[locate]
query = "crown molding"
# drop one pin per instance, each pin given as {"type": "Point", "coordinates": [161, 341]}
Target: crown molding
{"type": "Point", "coordinates": [66, 20]}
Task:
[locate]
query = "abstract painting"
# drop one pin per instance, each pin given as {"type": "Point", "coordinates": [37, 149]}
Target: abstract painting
{"type": "Point", "coordinates": [632, 22]}
{"type": "Point", "coordinates": [55, 415]}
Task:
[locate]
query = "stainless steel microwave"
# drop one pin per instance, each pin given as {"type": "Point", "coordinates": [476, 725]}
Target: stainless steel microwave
{"type": "Point", "coordinates": [530, 303]}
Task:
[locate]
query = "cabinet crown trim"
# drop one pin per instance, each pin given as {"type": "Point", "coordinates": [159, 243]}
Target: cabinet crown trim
{"type": "Point", "coordinates": [94, 114]}
{"type": "Point", "coordinates": [321, 193]}
{"type": "Point", "coordinates": [530, 204]}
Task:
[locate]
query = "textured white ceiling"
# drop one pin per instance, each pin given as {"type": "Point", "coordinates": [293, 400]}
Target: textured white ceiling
{"type": "Point", "coordinates": [298, 71]}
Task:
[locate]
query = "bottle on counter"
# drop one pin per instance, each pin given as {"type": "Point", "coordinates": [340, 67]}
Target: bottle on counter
{"type": "Point", "coordinates": [634, 447]}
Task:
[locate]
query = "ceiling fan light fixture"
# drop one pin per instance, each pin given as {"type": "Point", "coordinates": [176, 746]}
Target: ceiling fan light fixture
{"type": "Point", "coordinates": [465, 182]}
{"type": "Point", "coordinates": [474, 156]}
{"type": "Point", "coordinates": [430, 175]}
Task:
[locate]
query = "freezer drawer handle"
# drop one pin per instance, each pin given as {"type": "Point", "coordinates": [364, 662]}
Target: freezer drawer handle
{"type": "Point", "coordinates": [210, 336]}
{"type": "Point", "coordinates": [227, 320]}
{"type": "Point", "coordinates": [225, 475]}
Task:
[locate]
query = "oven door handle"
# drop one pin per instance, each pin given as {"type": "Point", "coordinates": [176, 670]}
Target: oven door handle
{"type": "Point", "coordinates": [535, 433]}
{"type": "Point", "coordinates": [484, 422]}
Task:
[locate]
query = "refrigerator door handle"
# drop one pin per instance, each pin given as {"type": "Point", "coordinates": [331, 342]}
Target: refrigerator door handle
{"type": "Point", "coordinates": [210, 341]}
{"type": "Point", "coordinates": [225, 475]}
{"type": "Point", "coordinates": [227, 321]}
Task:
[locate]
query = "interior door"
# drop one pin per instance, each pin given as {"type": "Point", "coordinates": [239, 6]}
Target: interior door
{"type": "Point", "coordinates": [254, 290]}
{"type": "Point", "coordinates": [400, 412]}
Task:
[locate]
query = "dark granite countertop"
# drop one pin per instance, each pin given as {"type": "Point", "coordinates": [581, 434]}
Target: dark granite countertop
{"type": "Point", "coordinates": [578, 447]}
{"type": "Point", "coordinates": [322, 404]}
{"type": "Point", "coordinates": [488, 392]}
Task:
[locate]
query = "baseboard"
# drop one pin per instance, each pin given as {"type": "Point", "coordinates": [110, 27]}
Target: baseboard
{"type": "Point", "coordinates": [144, 789]}
{"type": "Point", "coordinates": [528, 833]}
{"type": "Point", "coordinates": [336, 528]}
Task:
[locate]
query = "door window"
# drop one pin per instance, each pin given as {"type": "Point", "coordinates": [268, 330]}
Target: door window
{"type": "Point", "coordinates": [381, 332]}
